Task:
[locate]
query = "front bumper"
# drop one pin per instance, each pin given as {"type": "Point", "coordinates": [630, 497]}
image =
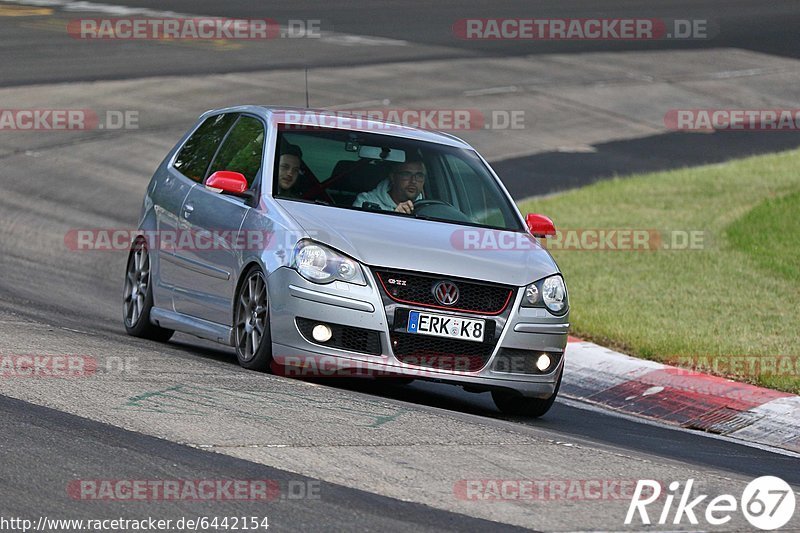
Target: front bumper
{"type": "Point", "coordinates": [525, 331]}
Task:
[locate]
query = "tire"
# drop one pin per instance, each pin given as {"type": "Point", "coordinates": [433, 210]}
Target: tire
{"type": "Point", "coordinates": [137, 297]}
{"type": "Point", "coordinates": [252, 335]}
{"type": "Point", "coordinates": [513, 403]}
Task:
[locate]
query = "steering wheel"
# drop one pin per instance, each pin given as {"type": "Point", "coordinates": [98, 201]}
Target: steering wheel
{"type": "Point", "coordinates": [440, 209]}
{"type": "Point", "coordinates": [422, 204]}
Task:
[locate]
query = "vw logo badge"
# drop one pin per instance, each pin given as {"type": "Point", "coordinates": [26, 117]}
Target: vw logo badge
{"type": "Point", "coordinates": [445, 292]}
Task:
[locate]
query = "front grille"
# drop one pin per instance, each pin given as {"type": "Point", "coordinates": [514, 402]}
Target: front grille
{"type": "Point", "coordinates": [417, 289]}
{"type": "Point", "coordinates": [517, 361]}
{"type": "Point", "coordinates": [439, 353]}
{"type": "Point", "coordinates": [344, 337]}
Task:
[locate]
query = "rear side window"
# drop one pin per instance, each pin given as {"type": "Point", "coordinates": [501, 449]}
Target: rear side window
{"type": "Point", "coordinates": [195, 156]}
{"type": "Point", "coordinates": [242, 150]}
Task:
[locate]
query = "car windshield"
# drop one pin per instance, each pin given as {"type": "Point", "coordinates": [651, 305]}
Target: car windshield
{"type": "Point", "coordinates": [378, 172]}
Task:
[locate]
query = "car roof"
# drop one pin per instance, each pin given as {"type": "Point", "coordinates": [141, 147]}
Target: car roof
{"type": "Point", "coordinates": [342, 119]}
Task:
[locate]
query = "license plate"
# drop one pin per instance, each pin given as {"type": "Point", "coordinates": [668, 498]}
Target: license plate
{"type": "Point", "coordinates": [451, 327]}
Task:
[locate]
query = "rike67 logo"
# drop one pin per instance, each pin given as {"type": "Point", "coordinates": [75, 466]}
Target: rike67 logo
{"type": "Point", "coordinates": [767, 503]}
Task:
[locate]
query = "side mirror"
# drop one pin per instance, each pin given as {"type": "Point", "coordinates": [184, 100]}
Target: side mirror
{"type": "Point", "coordinates": [227, 182]}
{"type": "Point", "coordinates": [540, 225]}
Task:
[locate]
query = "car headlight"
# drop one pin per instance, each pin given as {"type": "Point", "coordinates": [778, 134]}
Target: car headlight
{"type": "Point", "coordinates": [320, 264]}
{"type": "Point", "coordinates": [550, 293]}
{"type": "Point", "coordinates": [532, 295]}
{"type": "Point", "coordinates": [554, 294]}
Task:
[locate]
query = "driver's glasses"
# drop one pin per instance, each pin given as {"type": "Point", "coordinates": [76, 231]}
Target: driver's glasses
{"type": "Point", "coordinates": [405, 175]}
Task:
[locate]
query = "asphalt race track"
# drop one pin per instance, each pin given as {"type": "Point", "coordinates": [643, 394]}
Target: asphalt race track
{"type": "Point", "coordinates": [367, 455]}
{"type": "Point", "coordinates": [426, 28]}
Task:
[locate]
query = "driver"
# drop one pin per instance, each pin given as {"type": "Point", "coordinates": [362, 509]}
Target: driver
{"type": "Point", "coordinates": [400, 190]}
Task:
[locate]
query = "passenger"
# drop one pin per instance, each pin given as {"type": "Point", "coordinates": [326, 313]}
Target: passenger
{"type": "Point", "coordinates": [289, 171]}
{"type": "Point", "coordinates": [399, 191]}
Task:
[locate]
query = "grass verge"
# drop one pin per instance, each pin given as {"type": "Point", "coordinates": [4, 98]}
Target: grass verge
{"type": "Point", "coordinates": [717, 286]}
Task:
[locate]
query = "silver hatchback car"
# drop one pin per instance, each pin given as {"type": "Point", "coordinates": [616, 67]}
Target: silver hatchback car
{"type": "Point", "coordinates": [321, 244]}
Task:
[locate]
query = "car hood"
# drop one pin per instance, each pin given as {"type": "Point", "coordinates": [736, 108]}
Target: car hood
{"type": "Point", "coordinates": [404, 243]}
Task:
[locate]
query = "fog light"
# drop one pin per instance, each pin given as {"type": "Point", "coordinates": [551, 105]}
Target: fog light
{"type": "Point", "coordinates": [542, 363]}
{"type": "Point", "coordinates": [322, 333]}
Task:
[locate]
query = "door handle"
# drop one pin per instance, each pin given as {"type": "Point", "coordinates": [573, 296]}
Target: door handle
{"type": "Point", "coordinates": [187, 210]}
